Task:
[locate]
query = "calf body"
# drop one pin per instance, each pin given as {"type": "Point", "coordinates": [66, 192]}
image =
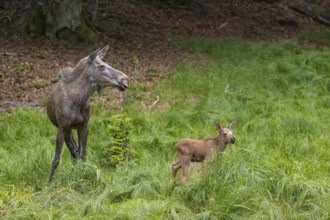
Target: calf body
{"type": "Point", "coordinates": [190, 150]}
{"type": "Point", "coordinates": [68, 105]}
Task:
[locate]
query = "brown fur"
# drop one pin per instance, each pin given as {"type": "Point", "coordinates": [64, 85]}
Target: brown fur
{"type": "Point", "coordinates": [190, 150]}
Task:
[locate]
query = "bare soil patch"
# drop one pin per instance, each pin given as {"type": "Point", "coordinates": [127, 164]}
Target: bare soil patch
{"type": "Point", "coordinates": [140, 35]}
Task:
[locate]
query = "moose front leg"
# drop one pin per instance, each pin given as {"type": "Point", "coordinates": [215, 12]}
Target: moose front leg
{"type": "Point", "coordinates": [59, 145]}
{"type": "Point", "coordinates": [82, 138]}
{"type": "Point", "coordinates": [185, 163]}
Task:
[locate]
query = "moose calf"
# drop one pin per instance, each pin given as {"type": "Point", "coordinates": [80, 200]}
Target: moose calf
{"type": "Point", "coordinates": [190, 150]}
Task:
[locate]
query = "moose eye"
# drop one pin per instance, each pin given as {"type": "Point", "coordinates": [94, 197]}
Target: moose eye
{"type": "Point", "coordinates": [101, 67]}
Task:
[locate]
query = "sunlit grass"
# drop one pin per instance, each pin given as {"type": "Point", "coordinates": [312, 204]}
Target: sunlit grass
{"type": "Point", "coordinates": [278, 168]}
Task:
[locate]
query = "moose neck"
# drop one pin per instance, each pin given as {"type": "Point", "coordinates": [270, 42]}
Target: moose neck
{"type": "Point", "coordinates": [80, 89]}
{"type": "Point", "coordinates": [220, 143]}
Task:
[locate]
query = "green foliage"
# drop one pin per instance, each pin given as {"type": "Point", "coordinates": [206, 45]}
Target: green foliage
{"type": "Point", "coordinates": [119, 128]}
{"type": "Point", "coordinates": [277, 169]}
{"type": "Point", "coordinates": [13, 198]}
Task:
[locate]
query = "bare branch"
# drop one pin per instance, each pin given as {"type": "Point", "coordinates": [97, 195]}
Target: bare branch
{"type": "Point", "coordinates": [307, 11]}
{"type": "Point", "coordinates": [153, 105]}
{"type": "Point", "coordinates": [227, 89]}
{"type": "Point", "coordinates": [8, 54]}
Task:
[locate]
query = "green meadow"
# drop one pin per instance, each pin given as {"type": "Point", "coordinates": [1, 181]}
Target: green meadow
{"type": "Point", "coordinates": [279, 167]}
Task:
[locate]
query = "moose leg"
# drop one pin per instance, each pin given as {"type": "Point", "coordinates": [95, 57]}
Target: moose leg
{"type": "Point", "coordinates": [59, 145]}
{"type": "Point", "coordinates": [71, 144]}
{"type": "Point", "coordinates": [205, 165]}
{"type": "Point", "coordinates": [185, 162]}
{"type": "Point", "coordinates": [175, 167]}
{"type": "Point", "coordinates": [76, 148]}
{"type": "Point", "coordinates": [82, 137]}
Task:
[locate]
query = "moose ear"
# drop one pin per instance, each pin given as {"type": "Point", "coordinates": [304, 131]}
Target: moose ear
{"type": "Point", "coordinates": [101, 53]}
{"type": "Point", "coordinates": [218, 126]}
{"type": "Point", "coordinates": [232, 125]}
{"type": "Point", "coordinates": [93, 55]}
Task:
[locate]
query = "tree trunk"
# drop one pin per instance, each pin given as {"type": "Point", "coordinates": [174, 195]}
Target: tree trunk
{"type": "Point", "coordinates": [60, 19]}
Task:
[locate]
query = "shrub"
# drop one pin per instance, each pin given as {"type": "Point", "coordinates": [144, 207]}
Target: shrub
{"type": "Point", "coordinates": [118, 127]}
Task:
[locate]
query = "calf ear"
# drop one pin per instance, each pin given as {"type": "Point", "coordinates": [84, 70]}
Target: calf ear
{"type": "Point", "coordinates": [232, 125]}
{"type": "Point", "coordinates": [218, 126]}
{"type": "Point", "coordinates": [101, 53]}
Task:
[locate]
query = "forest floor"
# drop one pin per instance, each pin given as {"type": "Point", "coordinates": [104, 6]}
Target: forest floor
{"type": "Point", "coordinates": [141, 35]}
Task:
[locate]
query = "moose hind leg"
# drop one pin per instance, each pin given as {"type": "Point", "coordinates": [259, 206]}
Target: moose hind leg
{"type": "Point", "coordinates": [71, 144]}
{"type": "Point", "coordinates": [175, 167]}
{"type": "Point", "coordinates": [59, 145]}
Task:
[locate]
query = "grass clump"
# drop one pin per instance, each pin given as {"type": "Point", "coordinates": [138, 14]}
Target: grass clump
{"type": "Point", "coordinates": [277, 169]}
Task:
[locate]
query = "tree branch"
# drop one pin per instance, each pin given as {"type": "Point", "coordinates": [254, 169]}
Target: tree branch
{"type": "Point", "coordinates": [309, 13]}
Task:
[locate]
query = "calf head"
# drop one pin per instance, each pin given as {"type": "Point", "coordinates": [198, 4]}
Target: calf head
{"type": "Point", "coordinates": [227, 133]}
{"type": "Point", "coordinates": [102, 74]}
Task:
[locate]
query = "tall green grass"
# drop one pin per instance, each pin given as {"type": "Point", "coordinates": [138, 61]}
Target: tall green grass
{"type": "Point", "coordinates": [278, 168]}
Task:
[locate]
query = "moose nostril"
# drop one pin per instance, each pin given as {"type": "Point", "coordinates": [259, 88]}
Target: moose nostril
{"type": "Point", "coordinates": [125, 83]}
{"type": "Point", "coordinates": [233, 140]}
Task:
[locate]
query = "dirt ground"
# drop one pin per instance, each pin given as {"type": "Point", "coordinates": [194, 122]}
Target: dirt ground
{"type": "Point", "coordinates": [140, 35]}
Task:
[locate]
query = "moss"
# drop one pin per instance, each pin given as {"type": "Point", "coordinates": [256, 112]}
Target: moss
{"type": "Point", "coordinates": [86, 31]}
{"type": "Point", "coordinates": [66, 34]}
{"type": "Point", "coordinates": [119, 35]}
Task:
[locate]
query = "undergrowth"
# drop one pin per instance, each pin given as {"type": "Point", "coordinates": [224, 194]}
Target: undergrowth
{"type": "Point", "coordinates": [277, 169]}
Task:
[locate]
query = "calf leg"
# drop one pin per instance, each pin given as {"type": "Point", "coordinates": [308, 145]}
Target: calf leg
{"type": "Point", "coordinates": [59, 145]}
{"type": "Point", "coordinates": [205, 165]}
{"type": "Point", "coordinates": [175, 167]}
{"type": "Point", "coordinates": [185, 162]}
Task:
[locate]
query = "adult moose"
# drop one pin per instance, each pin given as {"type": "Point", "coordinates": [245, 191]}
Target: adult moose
{"type": "Point", "coordinates": [190, 150]}
{"type": "Point", "coordinates": [68, 105]}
